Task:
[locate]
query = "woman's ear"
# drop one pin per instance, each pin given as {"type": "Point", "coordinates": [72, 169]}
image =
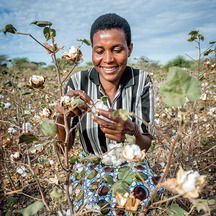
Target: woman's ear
{"type": "Point", "coordinates": [130, 48]}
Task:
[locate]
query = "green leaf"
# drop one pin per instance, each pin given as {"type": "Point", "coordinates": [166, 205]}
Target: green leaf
{"type": "Point", "coordinates": [41, 23]}
{"type": "Point", "coordinates": [201, 37]}
{"type": "Point", "coordinates": [11, 200]}
{"type": "Point", "coordinates": [37, 147]}
{"type": "Point", "coordinates": [20, 85]}
{"type": "Point", "coordinates": [77, 102]}
{"type": "Point", "coordinates": [127, 176]}
{"type": "Point", "coordinates": [27, 138]}
{"type": "Point", "coordinates": [49, 33]}
{"type": "Point", "coordinates": [73, 159]}
{"type": "Point", "coordinates": [194, 32]}
{"type": "Point", "coordinates": [108, 179]}
{"type": "Point", "coordinates": [42, 160]}
{"type": "Point", "coordinates": [179, 85]}
{"type": "Point", "coordinates": [120, 186]}
{"type": "Point", "coordinates": [124, 114]}
{"type": "Point", "coordinates": [175, 210]}
{"type": "Point", "coordinates": [104, 99]}
{"type": "Point", "coordinates": [90, 158]}
{"type": "Point", "coordinates": [48, 127]}
{"type": "Point", "coordinates": [57, 195]}
{"type": "Point", "coordinates": [130, 139]}
{"type": "Point", "coordinates": [85, 41]}
{"type": "Point", "coordinates": [9, 28]}
{"type": "Point", "coordinates": [212, 42]}
{"type": "Point", "coordinates": [32, 209]}
{"type": "Point", "coordinates": [202, 204]}
{"type": "Point", "coordinates": [92, 174]}
{"type": "Point", "coordinates": [80, 196]}
{"type": "Point", "coordinates": [207, 52]}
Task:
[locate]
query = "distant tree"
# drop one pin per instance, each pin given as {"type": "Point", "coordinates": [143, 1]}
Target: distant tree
{"type": "Point", "coordinates": [89, 63]}
{"type": "Point", "coordinates": [179, 61]}
{"type": "Point", "coordinates": [3, 59]}
{"type": "Point", "coordinates": [17, 62]}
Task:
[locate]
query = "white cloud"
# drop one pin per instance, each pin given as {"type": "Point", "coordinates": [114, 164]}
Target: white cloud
{"type": "Point", "coordinates": [159, 28]}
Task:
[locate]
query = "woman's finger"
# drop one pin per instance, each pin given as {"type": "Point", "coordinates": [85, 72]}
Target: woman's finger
{"type": "Point", "coordinates": [81, 94]}
{"type": "Point", "coordinates": [118, 138]}
{"type": "Point", "coordinates": [108, 114]}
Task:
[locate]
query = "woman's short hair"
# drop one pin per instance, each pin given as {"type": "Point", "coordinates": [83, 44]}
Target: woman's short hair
{"type": "Point", "coordinates": [111, 21]}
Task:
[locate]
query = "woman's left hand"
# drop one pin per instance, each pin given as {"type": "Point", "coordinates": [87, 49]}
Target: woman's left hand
{"type": "Point", "coordinates": [115, 130]}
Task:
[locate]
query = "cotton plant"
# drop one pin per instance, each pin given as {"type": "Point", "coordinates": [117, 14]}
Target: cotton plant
{"type": "Point", "coordinates": [12, 130]}
{"type": "Point", "coordinates": [101, 103]}
{"type": "Point", "coordinates": [7, 105]}
{"type": "Point", "coordinates": [113, 157]}
{"type": "Point", "coordinates": [45, 113]}
{"type": "Point", "coordinates": [73, 56]}
{"type": "Point", "coordinates": [22, 171]}
{"type": "Point", "coordinates": [36, 81]}
{"type": "Point", "coordinates": [187, 183]}
{"type": "Point", "coordinates": [15, 157]}
{"type": "Point", "coordinates": [70, 103]}
{"type": "Point", "coordinates": [127, 202]}
{"type": "Point", "coordinates": [132, 152]}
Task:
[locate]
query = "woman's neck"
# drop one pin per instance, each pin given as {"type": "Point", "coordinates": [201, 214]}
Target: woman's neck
{"type": "Point", "coordinates": [110, 89]}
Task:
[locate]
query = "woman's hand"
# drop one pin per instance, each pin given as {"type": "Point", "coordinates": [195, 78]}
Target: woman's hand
{"type": "Point", "coordinates": [115, 130]}
{"type": "Point", "coordinates": [76, 111]}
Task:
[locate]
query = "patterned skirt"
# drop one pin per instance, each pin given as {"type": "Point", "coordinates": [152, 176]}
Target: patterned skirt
{"type": "Point", "coordinates": [95, 185]}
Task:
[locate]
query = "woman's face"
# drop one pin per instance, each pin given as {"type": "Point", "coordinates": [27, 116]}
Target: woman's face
{"type": "Point", "coordinates": [110, 54]}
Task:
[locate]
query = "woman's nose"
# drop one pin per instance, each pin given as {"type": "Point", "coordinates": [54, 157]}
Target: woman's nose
{"type": "Point", "coordinates": [108, 57]}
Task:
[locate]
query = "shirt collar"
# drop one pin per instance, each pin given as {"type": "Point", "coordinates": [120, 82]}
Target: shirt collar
{"type": "Point", "coordinates": [126, 81]}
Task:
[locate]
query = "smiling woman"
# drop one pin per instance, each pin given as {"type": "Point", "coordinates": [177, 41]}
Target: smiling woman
{"type": "Point", "coordinates": [126, 88]}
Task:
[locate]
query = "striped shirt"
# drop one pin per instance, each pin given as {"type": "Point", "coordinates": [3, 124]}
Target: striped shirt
{"type": "Point", "coordinates": [135, 94]}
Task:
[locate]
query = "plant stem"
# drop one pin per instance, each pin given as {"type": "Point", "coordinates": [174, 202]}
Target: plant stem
{"type": "Point", "coordinates": [57, 68]}
{"type": "Point", "coordinates": [21, 33]}
{"type": "Point", "coordinates": [38, 183]}
{"type": "Point", "coordinates": [69, 74]}
{"type": "Point", "coordinates": [169, 162]}
{"type": "Point", "coordinates": [163, 201]}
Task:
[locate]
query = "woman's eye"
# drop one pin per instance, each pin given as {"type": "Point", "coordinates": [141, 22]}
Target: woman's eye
{"type": "Point", "coordinates": [117, 50]}
{"type": "Point", "coordinates": [99, 51]}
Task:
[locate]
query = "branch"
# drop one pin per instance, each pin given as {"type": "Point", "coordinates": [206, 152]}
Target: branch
{"type": "Point", "coordinates": [11, 124]}
{"type": "Point", "coordinates": [21, 33]}
{"type": "Point", "coordinates": [38, 183]}
{"type": "Point", "coordinates": [57, 68]}
{"type": "Point", "coordinates": [69, 74]}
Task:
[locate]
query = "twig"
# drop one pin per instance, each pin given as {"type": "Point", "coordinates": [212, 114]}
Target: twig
{"type": "Point", "coordinates": [21, 33]}
{"type": "Point", "coordinates": [163, 201]}
{"type": "Point", "coordinates": [169, 162]}
{"type": "Point", "coordinates": [69, 74]}
{"type": "Point", "coordinates": [38, 183]}
{"type": "Point", "coordinates": [62, 166]}
{"type": "Point", "coordinates": [57, 68]}
{"type": "Point", "coordinates": [11, 124]}
{"type": "Point", "coordinates": [190, 57]}
{"type": "Point", "coordinates": [209, 150]}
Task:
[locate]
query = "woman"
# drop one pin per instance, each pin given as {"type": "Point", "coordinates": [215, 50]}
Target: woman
{"type": "Point", "coordinates": [126, 88]}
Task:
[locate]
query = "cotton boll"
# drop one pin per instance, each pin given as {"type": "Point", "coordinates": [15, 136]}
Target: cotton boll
{"type": "Point", "coordinates": [189, 180]}
{"type": "Point", "coordinates": [119, 162]}
{"type": "Point", "coordinates": [22, 171]}
{"type": "Point", "coordinates": [7, 105]}
{"type": "Point", "coordinates": [12, 130]}
{"type": "Point", "coordinates": [136, 150]}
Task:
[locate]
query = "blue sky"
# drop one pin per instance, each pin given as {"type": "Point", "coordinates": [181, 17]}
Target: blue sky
{"type": "Point", "coordinates": [159, 27]}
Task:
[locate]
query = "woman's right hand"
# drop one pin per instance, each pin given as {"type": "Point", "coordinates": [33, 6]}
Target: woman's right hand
{"type": "Point", "coordinates": [76, 111]}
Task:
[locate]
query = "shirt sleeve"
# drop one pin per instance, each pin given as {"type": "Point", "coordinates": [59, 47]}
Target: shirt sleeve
{"type": "Point", "coordinates": [147, 106]}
